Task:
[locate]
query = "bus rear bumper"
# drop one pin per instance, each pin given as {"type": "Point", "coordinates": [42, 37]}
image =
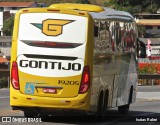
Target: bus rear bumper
{"type": "Point", "coordinates": [20, 101]}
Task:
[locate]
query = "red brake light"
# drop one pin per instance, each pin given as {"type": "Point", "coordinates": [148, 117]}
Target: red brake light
{"type": "Point", "coordinates": [14, 76]}
{"type": "Point", "coordinates": [85, 82]}
{"type": "Point", "coordinates": [53, 44]}
{"type": "Point", "coordinates": [86, 78]}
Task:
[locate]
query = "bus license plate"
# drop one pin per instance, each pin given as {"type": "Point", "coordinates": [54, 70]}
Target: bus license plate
{"type": "Point", "coordinates": [50, 90]}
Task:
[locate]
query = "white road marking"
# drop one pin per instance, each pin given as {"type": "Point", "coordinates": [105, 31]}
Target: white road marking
{"type": "Point", "coordinates": [4, 97]}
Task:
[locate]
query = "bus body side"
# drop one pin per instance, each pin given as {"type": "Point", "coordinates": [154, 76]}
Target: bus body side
{"type": "Point", "coordinates": [114, 57]}
{"type": "Point", "coordinates": [51, 60]}
{"type": "Point", "coordinates": [115, 64]}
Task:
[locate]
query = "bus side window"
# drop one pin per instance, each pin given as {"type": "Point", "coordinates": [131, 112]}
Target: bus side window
{"type": "Point", "coordinates": [115, 30]}
{"type": "Point", "coordinates": [102, 36]}
{"type": "Point", "coordinates": [127, 37]}
{"type": "Point", "coordinates": [119, 37]}
{"type": "Point", "coordinates": [130, 38]}
{"type": "Point", "coordinates": [112, 32]}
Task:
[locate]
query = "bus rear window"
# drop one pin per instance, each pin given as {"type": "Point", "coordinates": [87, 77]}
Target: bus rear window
{"type": "Point", "coordinates": [47, 44]}
{"type": "Point", "coordinates": [52, 27]}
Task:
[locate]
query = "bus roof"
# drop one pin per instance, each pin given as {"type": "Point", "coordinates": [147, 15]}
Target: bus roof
{"type": "Point", "coordinates": [112, 14]}
{"type": "Point", "coordinates": [81, 7]}
{"type": "Point", "coordinates": [97, 12]}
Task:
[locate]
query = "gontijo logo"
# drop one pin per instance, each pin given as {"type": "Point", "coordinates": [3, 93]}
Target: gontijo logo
{"type": "Point", "coordinates": [52, 27]}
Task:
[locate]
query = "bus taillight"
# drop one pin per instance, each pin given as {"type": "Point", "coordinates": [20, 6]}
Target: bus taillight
{"type": "Point", "coordinates": [85, 82]}
{"type": "Point", "coordinates": [14, 76]}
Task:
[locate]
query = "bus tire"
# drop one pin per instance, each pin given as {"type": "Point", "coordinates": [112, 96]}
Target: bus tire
{"type": "Point", "coordinates": [124, 109]}
{"type": "Point", "coordinates": [105, 104]}
{"type": "Point", "coordinates": [100, 110]}
{"type": "Point", "coordinates": [130, 95]}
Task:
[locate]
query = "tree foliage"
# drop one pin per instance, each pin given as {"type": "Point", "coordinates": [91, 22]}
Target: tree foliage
{"type": "Point", "coordinates": [141, 30]}
{"type": "Point", "coordinates": [132, 6]}
{"type": "Point", "coordinates": [83, 1]}
{"type": "Point", "coordinates": [135, 6]}
{"type": "Point", "coordinates": [8, 26]}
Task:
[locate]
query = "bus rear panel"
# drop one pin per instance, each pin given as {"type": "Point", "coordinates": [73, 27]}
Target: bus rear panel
{"type": "Point", "coordinates": [48, 64]}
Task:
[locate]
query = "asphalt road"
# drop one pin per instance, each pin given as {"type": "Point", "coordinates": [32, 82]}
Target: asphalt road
{"type": "Point", "coordinates": [139, 111]}
{"type": "Point", "coordinates": [4, 100]}
{"type": "Point", "coordinates": [148, 88]}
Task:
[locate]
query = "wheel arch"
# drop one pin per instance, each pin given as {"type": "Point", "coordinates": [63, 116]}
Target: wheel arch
{"type": "Point", "coordinates": [130, 94]}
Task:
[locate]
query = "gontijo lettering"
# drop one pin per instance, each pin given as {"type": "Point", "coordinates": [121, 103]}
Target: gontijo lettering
{"type": "Point", "coordinates": [49, 65]}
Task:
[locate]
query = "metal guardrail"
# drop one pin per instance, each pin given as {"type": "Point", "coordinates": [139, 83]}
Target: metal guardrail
{"type": "Point", "coordinates": [5, 39]}
{"type": "Point", "coordinates": [147, 60]}
{"type": "Point", "coordinates": [149, 76]}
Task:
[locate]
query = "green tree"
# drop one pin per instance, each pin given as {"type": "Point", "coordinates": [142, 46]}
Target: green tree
{"type": "Point", "coordinates": [135, 6]}
{"type": "Point", "coordinates": [152, 8]}
{"type": "Point", "coordinates": [83, 1]}
{"type": "Point", "coordinates": [8, 26]}
{"type": "Point", "coordinates": [141, 30]}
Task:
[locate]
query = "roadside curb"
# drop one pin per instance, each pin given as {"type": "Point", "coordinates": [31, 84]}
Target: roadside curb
{"type": "Point", "coordinates": [4, 88]}
{"type": "Point", "coordinates": [150, 96]}
{"type": "Point", "coordinates": [147, 100]}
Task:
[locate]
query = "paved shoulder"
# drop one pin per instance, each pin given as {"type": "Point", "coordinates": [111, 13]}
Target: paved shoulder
{"type": "Point", "coordinates": [4, 92]}
{"type": "Point", "coordinates": [148, 92]}
{"type": "Point", "coordinates": [148, 95]}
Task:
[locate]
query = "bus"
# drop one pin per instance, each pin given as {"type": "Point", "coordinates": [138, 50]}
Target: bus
{"type": "Point", "coordinates": [76, 57]}
{"type": "Point", "coordinates": [149, 33]}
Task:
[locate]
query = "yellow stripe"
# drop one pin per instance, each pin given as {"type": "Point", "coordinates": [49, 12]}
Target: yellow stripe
{"type": "Point", "coordinates": [81, 7]}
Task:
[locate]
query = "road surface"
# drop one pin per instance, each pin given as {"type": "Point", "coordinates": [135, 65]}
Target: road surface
{"type": "Point", "coordinates": [143, 109]}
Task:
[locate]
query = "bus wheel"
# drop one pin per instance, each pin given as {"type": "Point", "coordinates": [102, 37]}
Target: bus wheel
{"type": "Point", "coordinates": [30, 113]}
{"type": "Point", "coordinates": [100, 111]}
{"type": "Point", "coordinates": [123, 109]}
